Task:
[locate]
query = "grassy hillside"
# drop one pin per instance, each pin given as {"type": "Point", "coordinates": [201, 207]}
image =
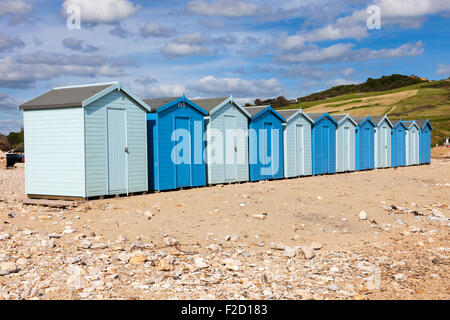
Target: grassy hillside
{"type": "Point", "coordinates": [384, 83]}
{"type": "Point", "coordinates": [418, 101]}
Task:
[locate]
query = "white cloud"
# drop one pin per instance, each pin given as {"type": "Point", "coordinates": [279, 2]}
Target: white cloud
{"type": "Point", "coordinates": [344, 52]}
{"type": "Point", "coordinates": [154, 29]}
{"type": "Point", "coordinates": [25, 70]}
{"type": "Point", "coordinates": [173, 50]}
{"type": "Point", "coordinates": [212, 86]}
{"type": "Point", "coordinates": [443, 69]}
{"type": "Point", "coordinates": [223, 8]}
{"type": "Point", "coordinates": [14, 8]}
{"type": "Point", "coordinates": [78, 45]}
{"type": "Point", "coordinates": [102, 11]}
{"type": "Point", "coordinates": [148, 88]}
{"type": "Point", "coordinates": [8, 104]}
{"type": "Point", "coordinates": [9, 43]}
{"type": "Point", "coordinates": [339, 82]}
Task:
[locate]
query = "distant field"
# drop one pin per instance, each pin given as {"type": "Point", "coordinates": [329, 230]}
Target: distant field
{"type": "Point", "coordinates": [427, 100]}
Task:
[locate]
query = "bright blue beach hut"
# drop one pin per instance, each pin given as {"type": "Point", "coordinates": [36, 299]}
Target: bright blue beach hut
{"type": "Point", "coordinates": [398, 141]}
{"type": "Point", "coordinates": [175, 142]}
{"type": "Point", "coordinates": [265, 143]}
{"type": "Point", "coordinates": [323, 143]}
{"type": "Point", "coordinates": [365, 143]}
{"type": "Point", "coordinates": [425, 141]}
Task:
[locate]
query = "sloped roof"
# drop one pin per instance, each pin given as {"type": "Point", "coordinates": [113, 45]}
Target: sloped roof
{"type": "Point", "coordinates": [315, 116]}
{"type": "Point", "coordinates": [339, 117]}
{"type": "Point", "coordinates": [78, 96]}
{"type": "Point", "coordinates": [410, 123]}
{"type": "Point", "coordinates": [209, 103]}
{"type": "Point", "coordinates": [65, 97]}
{"type": "Point", "coordinates": [360, 120]}
{"type": "Point", "coordinates": [255, 110]}
{"type": "Point", "coordinates": [288, 113]}
{"type": "Point", "coordinates": [159, 102]}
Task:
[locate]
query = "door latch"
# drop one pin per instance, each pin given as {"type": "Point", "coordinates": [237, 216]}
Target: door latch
{"type": "Point", "coordinates": [126, 149]}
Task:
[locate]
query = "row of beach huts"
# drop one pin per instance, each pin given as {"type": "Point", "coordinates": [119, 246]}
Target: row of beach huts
{"type": "Point", "coordinates": [97, 140]}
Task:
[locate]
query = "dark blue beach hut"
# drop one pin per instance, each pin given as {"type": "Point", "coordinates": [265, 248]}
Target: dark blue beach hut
{"type": "Point", "coordinates": [365, 143]}
{"type": "Point", "coordinates": [323, 143]}
{"type": "Point", "coordinates": [398, 144]}
{"type": "Point", "coordinates": [175, 144]}
{"type": "Point", "coordinates": [425, 140]}
{"type": "Point", "coordinates": [265, 144]}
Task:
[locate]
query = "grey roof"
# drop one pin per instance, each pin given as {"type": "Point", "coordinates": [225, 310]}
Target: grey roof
{"type": "Point", "coordinates": [358, 120]}
{"type": "Point", "coordinates": [315, 116]}
{"type": "Point", "coordinates": [339, 117]}
{"type": "Point", "coordinates": [421, 122]}
{"type": "Point", "coordinates": [409, 123]}
{"type": "Point", "coordinates": [376, 119]}
{"type": "Point", "coordinates": [395, 122]}
{"type": "Point", "coordinates": [255, 110]}
{"type": "Point", "coordinates": [288, 113]}
{"type": "Point", "coordinates": [65, 97]}
{"type": "Point", "coordinates": [209, 103]}
{"type": "Point", "coordinates": [157, 103]}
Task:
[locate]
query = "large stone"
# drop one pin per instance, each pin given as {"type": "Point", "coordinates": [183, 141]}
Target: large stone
{"type": "Point", "coordinates": [166, 264]}
{"type": "Point", "coordinates": [363, 215]}
{"type": "Point", "coordinates": [8, 268]}
{"type": "Point", "coordinates": [138, 257]}
{"type": "Point", "coordinates": [170, 241]}
{"type": "Point", "coordinates": [290, 252]}
{"type": "Point", "coordinates": [232, 264]}
{"type": "Point", "coordinates": [308, 252]}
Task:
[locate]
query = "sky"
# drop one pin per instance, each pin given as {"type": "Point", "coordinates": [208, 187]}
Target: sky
{"type": "Point", "coordinates": [245, 48]}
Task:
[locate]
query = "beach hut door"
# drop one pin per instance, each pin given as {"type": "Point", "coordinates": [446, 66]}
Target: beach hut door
{"type": "Point", "coordinates": [117, 151]}
{"type": "Point", "coordinates": [183, 155]}
{"type": "Point", "coordinates": [300, 150]}
{"type": "Point", "coordinates": [230, 149]}
{"type": "Point", "coordinates": [346, 149]}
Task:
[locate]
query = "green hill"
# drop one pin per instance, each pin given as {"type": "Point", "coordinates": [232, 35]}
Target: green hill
{"type": "Point", "coordinates": [419, 100]}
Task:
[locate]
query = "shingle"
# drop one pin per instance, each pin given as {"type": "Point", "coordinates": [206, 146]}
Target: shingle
{"type": "Point", "coordinates": [315, 116]}
{"type": "Point", "coordinates": [339, 117]}
{"type": "Point", "coordinates": [209, 103]}
{"type": "Point", "coordinates": [157, 103]}
{"type": "Point", "coordinates": [376, 119]}
{"type": "Point", "coordinates": [287, 113]}
{"type": "Point", "coordinates": [255, 110]}
{"type": "Point", "coordinates": [64, 97]}
{"type": "Point", "coordinates": [421, 122]}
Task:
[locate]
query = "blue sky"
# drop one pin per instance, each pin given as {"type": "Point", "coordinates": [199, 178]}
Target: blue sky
{"type": "Point", "coordinates": [207, 48]}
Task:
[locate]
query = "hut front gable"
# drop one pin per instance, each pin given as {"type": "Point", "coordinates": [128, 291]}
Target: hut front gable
{"type": "Point", "coordinates": [96, 132]}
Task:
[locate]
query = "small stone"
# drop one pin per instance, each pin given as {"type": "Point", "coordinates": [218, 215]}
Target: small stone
{"type": "Point", "coordinates": [333, 287]}
{"type": "Point", "coordinates": [53, 236]}
{"type": "Point", "coordinates": [316, 245]}
{"type": "Point", "coordinates": [22, 262]}
{"type": "Point", "coordinates": [45, 218]}
{"type": "Point", "coordinates": [308, 252]}
{"type": "Point", "coordinates": [277, 246]}
{"type": "Point", "coordinates": [4, 236]}
{"type": "Point", "coordinates": [166, 264]}
{"type": "Point", "coordinates": [232, 264]}
{"type": "Point", "coordinates": [85, 244]}
{"type": "Point", "coordinates": [437, 213]}
{"type": "Point", "coordinates": [170, 241]}
{"type": "Point", "coordinates": [290, 252]}
{"type": "Point", "coordinates": [319, 198]}
{"type": "Point", "coordinates": [303, 294]}
{"type": "Point", "coordinates": [400, 277]}
{"type": "Point", "coordinates": [148, 214]}
{"type": "Point", "coordinates": [334, 269]}
{"type": "Point", "coordinates": [124, 257]}
{"type": "Point", "coordinates": [363, 215]}
{"type": "Point", "coordinates": [99, 246]}
{"type": "Point", "coordinates": [11, 214]}
{"type": "Point", "coordinates": [213, 247]}
{"type": "Point", "coordinates": [414, 229]}
{"type": "Point", "coordinates": [200, 263]}
{"type": "Point", "coordinates": [138, 257]}
{"type": "Point", "coordinates": [260, 216]}
{"type": "Point", "coordinates": [8, 268]}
